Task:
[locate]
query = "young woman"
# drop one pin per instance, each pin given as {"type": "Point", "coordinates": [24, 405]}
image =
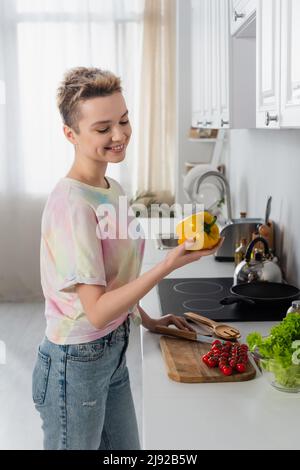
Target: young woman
{"type": "Point", "coordinates": [91, 282]}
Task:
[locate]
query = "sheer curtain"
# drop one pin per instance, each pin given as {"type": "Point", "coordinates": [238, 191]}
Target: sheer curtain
{"type": "Point", "coordinates": [156, 146]}
{"type": "Point", "coordinates": [39, 40]}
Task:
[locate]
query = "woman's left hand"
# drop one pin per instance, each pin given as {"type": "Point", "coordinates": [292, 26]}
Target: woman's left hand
{"type": "Point", "coordinates": [167, 320]}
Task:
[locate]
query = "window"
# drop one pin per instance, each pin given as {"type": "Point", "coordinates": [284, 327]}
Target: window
{"type": "Point", "coordinates": [45, 38]}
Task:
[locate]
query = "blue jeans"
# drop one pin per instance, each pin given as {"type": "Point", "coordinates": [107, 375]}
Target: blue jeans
{"type": "Point", "coordinates": [83, 394]}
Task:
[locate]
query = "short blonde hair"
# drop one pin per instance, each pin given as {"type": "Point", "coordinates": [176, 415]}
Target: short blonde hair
{"type": "Point", "coordinates": [80, 84]}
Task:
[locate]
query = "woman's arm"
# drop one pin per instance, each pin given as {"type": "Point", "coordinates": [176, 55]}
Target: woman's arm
{"type": "Point", "coordinates": [103, 307]}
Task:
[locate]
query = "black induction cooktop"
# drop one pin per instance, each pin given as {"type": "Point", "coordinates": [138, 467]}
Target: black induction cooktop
{"type": "Point", "coordinates": [203, 295]}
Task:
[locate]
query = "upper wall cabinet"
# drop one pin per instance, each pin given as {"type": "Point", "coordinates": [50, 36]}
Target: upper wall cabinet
{"type": "Point", "coordinates": [210, 37]}
{"type": "Point", "coordinates": [241, 14]}
{"type": "Point", "coordinates": [290, 63]}
{"type": "Point", "coordinates": [268, 64]}
{"type": "Point", "coordinates": [223, 70]}
{"type": "Point", "coordinates": [278, 65]}
{"type": "Point", "coordinates": [245, 57]}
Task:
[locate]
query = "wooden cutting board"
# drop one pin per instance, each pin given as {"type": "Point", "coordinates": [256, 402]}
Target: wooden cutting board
{"type": "Point", "coordinates": [183, 360]}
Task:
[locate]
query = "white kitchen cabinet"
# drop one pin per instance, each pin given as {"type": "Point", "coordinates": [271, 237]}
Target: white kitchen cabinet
{"type": "Point", "coordinates": [268, 64]}
{"type": "Point", "coordinates": [242, 13]}
{"type": "Point", "coordinates": [223, 77]}
{"type": "Point", "coordinates": [290, 63]}
{"type": "Point", "coordinates": [213, 15]}
{"type": "Point", "coordinates": [250, 78]}
{"type": "Point", "coordinates": [207, 62]}
{"type": "Point", "coordinates": [278, 65]}
{"type": "Point", "coordinates": [209, 46]}
{"type": "Point", "coordinates": [198, 69]}
{"type": "Point", "coordinates": [202, 46]}
{"type": "Point", "coordinates": [223, 69]}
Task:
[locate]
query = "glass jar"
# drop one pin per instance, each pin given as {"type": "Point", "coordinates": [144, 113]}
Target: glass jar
{"type": "Point", "coordinates": [284, 379]}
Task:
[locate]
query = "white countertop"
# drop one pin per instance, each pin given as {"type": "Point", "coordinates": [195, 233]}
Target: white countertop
{"type": "Point", "coordinates": [233, 415]}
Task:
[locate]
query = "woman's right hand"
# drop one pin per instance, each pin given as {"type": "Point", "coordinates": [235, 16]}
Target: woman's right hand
{"type": "Point", "coordinates": [180, 256]}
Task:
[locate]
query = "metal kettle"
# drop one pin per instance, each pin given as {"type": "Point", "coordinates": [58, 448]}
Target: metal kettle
{"type": "Point", "coordinates": [261, 268]}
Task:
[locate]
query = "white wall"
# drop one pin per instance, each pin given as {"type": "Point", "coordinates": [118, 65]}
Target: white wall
{"type": "Point", "coordinates": [262, 163]}
{"type": "Point", "coordinates": [20, 248]}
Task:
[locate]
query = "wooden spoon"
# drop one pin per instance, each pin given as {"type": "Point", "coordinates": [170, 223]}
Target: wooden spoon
{"type": "Point", "coordinates": [221, 330]}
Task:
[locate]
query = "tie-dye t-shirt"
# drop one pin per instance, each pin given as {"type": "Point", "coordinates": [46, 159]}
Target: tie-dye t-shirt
{"type": "Point", "coordinates": [75, 249]}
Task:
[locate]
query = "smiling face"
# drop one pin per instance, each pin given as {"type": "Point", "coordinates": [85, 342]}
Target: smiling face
{"type": "Point", "coordinates": [104, 129]}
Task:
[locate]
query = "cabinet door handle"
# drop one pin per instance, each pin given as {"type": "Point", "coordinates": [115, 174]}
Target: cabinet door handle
{"type": "Point", "coordinates": [208, 123]}
{"type": "Point", "coordinates": [199, 123]}
{"type": "Point", "coordinates": [238, 16]}
{"type": "Point", "coordinates": [224, 123]}
{"type": "Point", "coordinates": [270, 118]}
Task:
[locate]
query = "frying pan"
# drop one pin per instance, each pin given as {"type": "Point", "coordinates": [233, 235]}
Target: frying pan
{"type": "Point", "coordinates": [254, 293]}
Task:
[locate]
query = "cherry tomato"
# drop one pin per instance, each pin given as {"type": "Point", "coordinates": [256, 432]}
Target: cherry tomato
{"type": "Point", "coordinates": [211, 362]}
{"type": "Point", "coordinates": [240, 367]}
{"type": "Point", "coordinates": [224, 354]}
{"type": "Point", "coordinates": [205, 358]}
{"type": "Point", "coordinates": [217, 355]}
{"type": "Point", "coordinates": [227, 370]}
{"type": "Point", "coordinates": [217, 342]}
{"type": "Point", "coordinates": [243, 359]}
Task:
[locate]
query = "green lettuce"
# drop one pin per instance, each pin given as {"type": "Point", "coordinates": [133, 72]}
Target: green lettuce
{"type": "Point", "coordinates": [276, 350]}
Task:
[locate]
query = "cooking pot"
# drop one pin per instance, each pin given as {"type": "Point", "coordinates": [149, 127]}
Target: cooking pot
{"type": "Point", "coordinates": [254, 293]}
{"type": "Point", "coordinates": [262, 268]}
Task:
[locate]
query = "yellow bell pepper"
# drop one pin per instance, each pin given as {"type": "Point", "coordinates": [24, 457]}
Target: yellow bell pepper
{"type": "Point", "coordinates": [202, 228]}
